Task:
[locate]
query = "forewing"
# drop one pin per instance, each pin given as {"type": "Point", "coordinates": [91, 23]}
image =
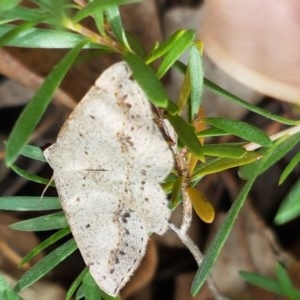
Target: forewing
{"type": "Point", "coordinates": [111, 236]}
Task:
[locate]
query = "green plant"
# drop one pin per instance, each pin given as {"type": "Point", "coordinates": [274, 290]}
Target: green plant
{"type": "Point", "coordinates": [62, 28]}
{"type": "Point", "coordinates": [281, 286]}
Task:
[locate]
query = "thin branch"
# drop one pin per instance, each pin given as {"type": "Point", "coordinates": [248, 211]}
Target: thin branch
{"type": "Point", "coordinates": [195, 251]}
{"type": "Point", "coordinates": [287, 132]}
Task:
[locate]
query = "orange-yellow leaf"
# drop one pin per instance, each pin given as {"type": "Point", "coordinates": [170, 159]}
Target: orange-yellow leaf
{"type": "Point", "coordinates": [199, 124]}
{"type": "Point", "coordinates": [202, 206]}
{"type": "Point", "coordinates": [184, 92]}
{"type": "Point", "coordinates": [200, 46]}
{"type": "Point", "coordinates": [193, 160]}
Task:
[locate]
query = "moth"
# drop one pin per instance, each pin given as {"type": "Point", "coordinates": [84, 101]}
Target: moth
{"type": "Point", "coordinates": [108, 162]}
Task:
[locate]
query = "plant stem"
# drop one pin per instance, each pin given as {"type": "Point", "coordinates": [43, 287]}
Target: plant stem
{"type": "Point", "coordinates": [287, 132]}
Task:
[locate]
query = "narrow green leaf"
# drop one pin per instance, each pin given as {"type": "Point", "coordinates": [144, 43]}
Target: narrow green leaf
{"type": "Point", "coordinates": [290, 206]}
{"type": "Point", "coordinates": [165, 46]}
{"type": "Point", "coordinates": [6, 5]}
{"type": "Point", "coordinates": [80, 294]}
{"type": "Point", "coordinates": [22, 13]}
{"type": "Point", "coordinates": [135, 45]}
{"type": "Point", "coordinates": [262, 281]}
{"type": "Point", "coordinates": [114, 19]}
{"type": "Point", "coordinates": [221, 164]}
{"type": "Point", "coordinates": [246, 171]}
{"type": "Point", "coordinates": [45, 4]}
{"type": "Point", "coordinates": [273, 154]}
{"type": "Point", "coordinates": [29, 176]}
{"type": "Point", "coordinates": [44, 244]}
{"type": "Point", "coordinates": [35, 109]}
{"type": "Point", "coordinates": [183, 43]}
{"type": "Point", "coordinates": [223, 233]}
{"type": "Point", "coordinates": [29, 203]}
{"type": "Point", "coordinates": [241, 129]}
{"type": "Point", "coordinates": [45, 265]}
{"type": "Point", "coordinates": [176, 192]}
{"type": "Point", "coordinates": [234, 99]}
{"type": "Point", "coordinates": [49, 222]}
{"type": "Point", "coordinates": [99, 21]}
{"type": "Point", "coordinates": [96, 6]}
{"type": "Point", "coordinates": [186, 135]}
{"type": "Point", "coordinates": [44, 38]}
{"type": "Point", "coordinates": [172, 108]}
{"type": "Point", "coordinates": [90, 291]}
{"type": "Point", "coordinates": [168, 184]}
{"type": "Point", "coordinates": [224, 150]}
{"type": "Point", "coordinates": [3, 20]}
{"type": "Point", "coordinates": [220, 239]}
{"type": "Point", "coordinates": [147, 79]}
{"type": "Point", "coordinates": [196, 72]}
{"type": "Point", "coordinates": [16, 32]}
{"type": "Point", "coordinates": [75, 284]}
{"type": "Point", "coordinates": [211, 132]}
{"type": "Point", "coordinates": [239, 101]}
{"type": "Point", "coordinates": [286, 283]}
{"type": "Point", "coordinates": [283, 148]}
{"type": "Point", "coordinates": [90, 288]}
{"type": "Point", "coordinates": [289, 168]}
{"type": "Point", "coordinates": [33, 152]}
{"type": "Point", "coordinates": [184, 95]}
{"type": "Point", "coordinates": [55, 11]}
{"type": "Point", "coordinates": [54, 8]}
{"type": "Point", "coordinates": [6, 292]}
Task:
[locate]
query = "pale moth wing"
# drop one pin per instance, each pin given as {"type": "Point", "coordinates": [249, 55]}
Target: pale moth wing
{"type": "Point", "coordinates": [108, 161]}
